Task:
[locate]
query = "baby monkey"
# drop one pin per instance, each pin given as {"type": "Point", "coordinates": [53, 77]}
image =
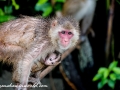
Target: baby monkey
{"type": "Point", "coordinates": [51, 59]}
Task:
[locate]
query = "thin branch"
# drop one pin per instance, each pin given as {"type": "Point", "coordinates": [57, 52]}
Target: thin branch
{"type": "Point", "coordinates": [66, 78]}
{"type": "Point", "coordinates": [51, 81]}
{"type": "Point", "coordinates": [50, 68]}
{"type": "Point", "coordinates": [109, 29]}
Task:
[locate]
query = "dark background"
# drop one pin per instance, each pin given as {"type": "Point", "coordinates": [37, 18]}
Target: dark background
{"type": "Point", "coordinates": [100, 24]}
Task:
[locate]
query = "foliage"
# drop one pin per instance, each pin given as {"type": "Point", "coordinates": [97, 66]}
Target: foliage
{"type": "Point", "coordinates": [5, 14]}
{"type": "Point", "coordinates": [46, 7]}
{"type": "Point", "coordinates": [108, 75]}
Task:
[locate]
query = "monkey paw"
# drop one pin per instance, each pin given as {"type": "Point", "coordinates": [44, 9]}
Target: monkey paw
{"type": "Point", "coordinates": [34, 81]}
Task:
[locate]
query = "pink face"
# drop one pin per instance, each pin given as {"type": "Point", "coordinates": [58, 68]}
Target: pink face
{"type": "Point", "coordinates": [65, 37]}
{"type": "Point", "coordinates": [51, 60]}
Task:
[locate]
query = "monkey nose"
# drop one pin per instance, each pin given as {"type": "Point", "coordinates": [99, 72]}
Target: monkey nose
{"type": "Point", "coordinates": [65, 40]}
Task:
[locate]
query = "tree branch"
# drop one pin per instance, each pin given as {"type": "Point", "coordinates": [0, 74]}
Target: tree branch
{"type": "Point", "coordinates": [50, 68]}
{"type": "Point", "coordinates": [111, 13]}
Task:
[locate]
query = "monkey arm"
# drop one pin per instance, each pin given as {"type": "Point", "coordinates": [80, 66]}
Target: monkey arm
{"type": "Point", "coordinates": [24, 66]}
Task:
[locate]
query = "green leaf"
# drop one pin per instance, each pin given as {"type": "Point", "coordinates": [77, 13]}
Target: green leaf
{"type": "Point", "coordinates": [116, 70]}
{"type": "Point", "coordinates": [111, 84]}
{"type": "Point", "coordinates": [102, 70]}
{"type": "Point", "coordinates": [117, 76]}
{"type": "Point", "coordinates": [15, 5]}
{"type": "Point", "coordinates": [106, 73]}
{"type": "Point", "coordinates": [102, 83]}
{"type": "Point", "coordinates": [97, 77]}
{"type": "Point", "coordinates": [47, 11]}
{"type": "Point", "coordinates": [41, 7]}
{"type": "Point", "coordinates": [113, 76]}
{"type": "Point", "coordinates": [1, 12]}
{"type": "Point", "coordinates": [40, 2]}
{"type": "Point", "coordinates": [6, 18]}
{"type": "Point", "coordinates": [112, 65]}
{"type": "Point", "coordinates": [62, 1]}
{"type": "Point", "coordinates": [58, 6]}
{"type": "Point", "coordinates": [8, 9]}
{"type": "Point", "coordinates": [46, 8]}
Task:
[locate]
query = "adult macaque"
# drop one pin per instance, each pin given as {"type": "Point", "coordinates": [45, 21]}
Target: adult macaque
{"type": "Point", "coordinates": [26, 40]}
{"type": "Point", "coordinates": [81, 10]}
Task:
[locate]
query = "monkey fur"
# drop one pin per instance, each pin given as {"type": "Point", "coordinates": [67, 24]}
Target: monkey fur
{"type": "Point", "coordinates": [26, 40]}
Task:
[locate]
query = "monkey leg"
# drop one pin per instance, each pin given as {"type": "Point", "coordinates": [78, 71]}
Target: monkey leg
{"type": "Point", "coordinates": [16, 72]}
{"type": "Point", "coordinates": [23, 69]}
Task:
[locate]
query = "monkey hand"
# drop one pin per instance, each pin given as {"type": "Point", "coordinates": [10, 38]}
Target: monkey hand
{"type": "Point", "coordinates": [34, 81]}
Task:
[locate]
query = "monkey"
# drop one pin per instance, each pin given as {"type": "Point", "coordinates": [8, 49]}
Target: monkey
{"type": "Point", "coordinates": [39, 66]}
{"type": "Point", "coordinates": [52, 59]}
{"type": "Point", "coordinates": [26, 40]}
{"type": "Point", "coordinates": [81, 10]}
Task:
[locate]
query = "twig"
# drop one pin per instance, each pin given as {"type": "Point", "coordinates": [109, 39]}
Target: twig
{"type": "Point", "coordinates": [109, 29]}
{"type": "Point", "coordinates": [66, 78]}
{"type": "Point", "coordinates": [51, 81]}
{"type": "Point", "coordinates": [50, 68]}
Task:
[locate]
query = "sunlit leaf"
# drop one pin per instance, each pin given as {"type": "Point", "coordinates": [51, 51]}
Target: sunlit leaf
{"type": "Point", "coordinates": [47, 11]}
{"type": "Point", "coordinates": [102, 70]}
{"type": "Point", "coordinates": [97, 77]}
{"type": "Point", "coordinates": [15, 5]}
{"type": "Point", "coordinates": [111, 83]}
{"type": "Point", "coordinates": [62, 1]}
{"type": "Point", "coordinates": [113, 76]}
{"type": "Point", "coordinates": [112, 65]}
{"type": "Point", "coordinates": [116, 70]}
{"type": "Point", "coordinates": [106, 73]}
{"type": "Point", "coordinates": [1, 12]}
{"type": "Point", "coordinates": [40, 2]}
{"type": "Point", "coordinates": [6, 18]}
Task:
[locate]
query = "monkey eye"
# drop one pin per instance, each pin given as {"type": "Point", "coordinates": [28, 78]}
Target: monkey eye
{"type": "Point", "coordinates": [63, 32]}
{"type": "Point", "coordinates": [69, 33]}
{"type": "Point", "coordinates": [50, 59]}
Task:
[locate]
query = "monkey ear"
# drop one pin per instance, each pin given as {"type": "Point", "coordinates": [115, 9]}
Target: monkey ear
{"type": "Point", "coordinates": [54, 23]}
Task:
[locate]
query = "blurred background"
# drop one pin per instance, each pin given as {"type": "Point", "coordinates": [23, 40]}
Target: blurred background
{"type": "Point", "coordinates": [94, 63]}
